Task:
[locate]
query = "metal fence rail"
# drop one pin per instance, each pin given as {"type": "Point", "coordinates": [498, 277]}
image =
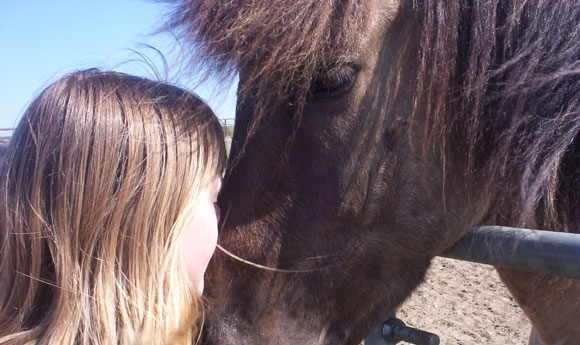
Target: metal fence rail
{"type": "Point", "coordinates": [522, 249]}
{"type": "Point", "coordinates": [5, 135]}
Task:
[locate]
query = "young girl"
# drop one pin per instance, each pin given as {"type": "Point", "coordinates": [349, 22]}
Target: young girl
{"type": "Point", "coordinates": [107, 218]}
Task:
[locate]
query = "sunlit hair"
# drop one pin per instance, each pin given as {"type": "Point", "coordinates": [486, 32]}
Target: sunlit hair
{"type": "Point", "coordinates": [99, 180]}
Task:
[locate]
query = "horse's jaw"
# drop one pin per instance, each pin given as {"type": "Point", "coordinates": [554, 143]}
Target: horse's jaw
{"type": "Point", "coordinates": [252, 305]}
{"type": "Point", "coordinates": [233, 330]}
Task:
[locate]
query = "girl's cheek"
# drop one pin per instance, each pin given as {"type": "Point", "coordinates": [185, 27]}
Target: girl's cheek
{"type": "Point", "coordinates": [218, 213]}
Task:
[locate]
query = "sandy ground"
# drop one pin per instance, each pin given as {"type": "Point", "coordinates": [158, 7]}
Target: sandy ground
{"type": "Point", "coordinates": [464, 304]}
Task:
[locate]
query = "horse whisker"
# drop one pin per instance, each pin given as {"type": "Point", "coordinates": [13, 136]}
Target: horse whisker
{"type": "Point", "coordinates": [267, 268]}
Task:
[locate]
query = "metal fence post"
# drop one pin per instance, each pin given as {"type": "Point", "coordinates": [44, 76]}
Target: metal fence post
{"type": "Point", "coordinates": [393, 330]}
{"type": "Point", "coordinates": [376, 336]}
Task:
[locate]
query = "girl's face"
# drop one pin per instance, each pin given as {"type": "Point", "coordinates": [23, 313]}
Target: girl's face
{"type": "Point", "coordinates": [200, 237]}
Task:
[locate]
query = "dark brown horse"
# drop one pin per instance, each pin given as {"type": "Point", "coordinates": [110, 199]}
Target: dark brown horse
{"type": "Point", "coordinates": [370, 136]}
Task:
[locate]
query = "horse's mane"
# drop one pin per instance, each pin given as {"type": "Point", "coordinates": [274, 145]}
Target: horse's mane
{"type": "Point", "coordinates": [513, 69]}
{"type": "Point", "coordinates": [502, 76]}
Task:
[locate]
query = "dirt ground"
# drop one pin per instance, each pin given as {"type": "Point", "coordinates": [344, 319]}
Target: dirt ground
{"type": "Point", "coordinates": [465, 304]}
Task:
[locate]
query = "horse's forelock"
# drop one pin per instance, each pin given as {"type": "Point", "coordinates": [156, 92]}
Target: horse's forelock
{"type": "Point", "coordinates": [277, 44]}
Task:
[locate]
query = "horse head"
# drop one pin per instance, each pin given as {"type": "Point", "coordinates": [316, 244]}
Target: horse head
{"type": "Point", "coordinates": [369, 137]}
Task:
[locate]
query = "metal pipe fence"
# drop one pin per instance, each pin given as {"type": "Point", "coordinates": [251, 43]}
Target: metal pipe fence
{"type": "Point", "coordinates": [522, 249]}
{"type": "Point", "coordinates": [529, 250]}
{"type": "Point", "coordinates": [5, 135]}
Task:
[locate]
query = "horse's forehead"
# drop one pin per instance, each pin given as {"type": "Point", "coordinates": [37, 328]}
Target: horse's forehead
{"type": "Point", "coordinates": [381, 14]}
{"type": "Point", "coordinates": [387, 9]}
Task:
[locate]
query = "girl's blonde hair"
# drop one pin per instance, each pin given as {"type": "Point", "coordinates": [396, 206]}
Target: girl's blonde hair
{"type": "Point", "coordinates": [99, 180]}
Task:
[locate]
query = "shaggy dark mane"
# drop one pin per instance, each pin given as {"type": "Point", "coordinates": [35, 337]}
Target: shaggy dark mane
{"type": "Point", "coordinates": [500, 77]}
{"type": "Point", "coordinates": [512, 70]}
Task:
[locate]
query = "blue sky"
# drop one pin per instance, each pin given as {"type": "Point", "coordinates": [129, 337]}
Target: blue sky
{"type": "Point", "coordinates": [41, 40]}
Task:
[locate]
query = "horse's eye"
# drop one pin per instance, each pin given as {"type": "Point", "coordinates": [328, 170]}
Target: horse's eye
{"type": "Point", "coordinates": [333, 81]}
